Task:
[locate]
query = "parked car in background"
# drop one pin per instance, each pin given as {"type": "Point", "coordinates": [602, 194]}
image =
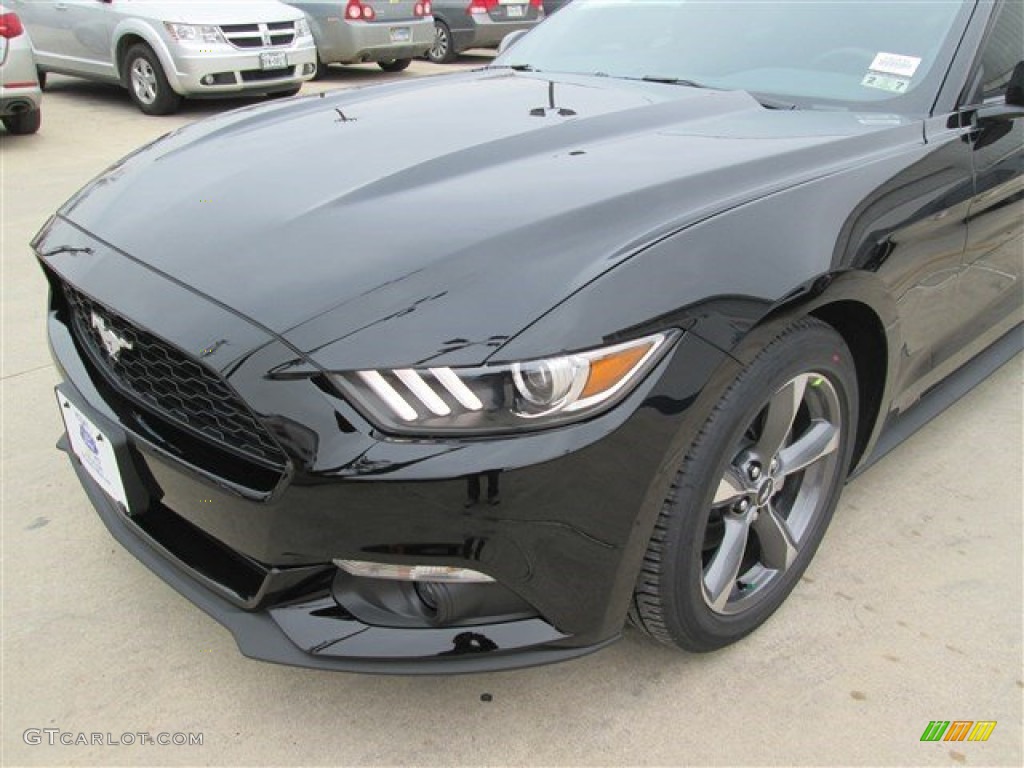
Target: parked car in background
{"type": "Point", "coordinates": [550, 6]}
{"type": "Point", "coordinates": [389, 32]}
{"type": "Point", "coordinates": [463, 24]}
{"type": "Point", "coordinates": [20, 95]}
{"type": "Point", "coordinates": [164, 51]}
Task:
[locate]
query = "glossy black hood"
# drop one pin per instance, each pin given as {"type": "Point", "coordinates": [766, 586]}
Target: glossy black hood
{"type": "Point", "coordinates": [436, 218]}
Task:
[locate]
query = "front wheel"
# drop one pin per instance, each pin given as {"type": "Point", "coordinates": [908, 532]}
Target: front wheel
{"type": "Point", "coordinates": [754, 494]}
{"type": "Point", "coordinates": [147, 83]}
{"type": "Point", "coordinates": [321, 69]}
{"type": "Point", "coordinates": [394, 65]}
{"type": "Point", "coordinates": [443, 49]}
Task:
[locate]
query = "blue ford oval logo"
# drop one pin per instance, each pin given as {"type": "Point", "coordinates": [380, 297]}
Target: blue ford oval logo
{"type": "Point", "coordinates": [87, 438]}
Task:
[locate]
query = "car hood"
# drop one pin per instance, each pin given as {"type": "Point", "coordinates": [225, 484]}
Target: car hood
{"type": "Point", "coordinates": [229, 12]}
{"type": "Point", "coordinates": [433, 220]}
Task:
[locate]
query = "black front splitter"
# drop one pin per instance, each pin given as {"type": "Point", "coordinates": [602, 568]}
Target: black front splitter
{"type": "Point", "coordinates": [259, 636]}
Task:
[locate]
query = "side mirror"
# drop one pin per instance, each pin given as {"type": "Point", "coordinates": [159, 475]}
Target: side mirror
{"type": "Point", "coordinates": [509, 40]}
{"type": "Point", "coordinates": [1013, 106]}
{"type": "Point", "coordinates": [1015, 88]}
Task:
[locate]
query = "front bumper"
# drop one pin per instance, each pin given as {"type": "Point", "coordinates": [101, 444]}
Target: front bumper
{"type": "Point", "coordinates": [559, 519]}
{"type": "Point", "coordinates": [350, 42]}
{"type": "Point", "coordinates": [238, 71]}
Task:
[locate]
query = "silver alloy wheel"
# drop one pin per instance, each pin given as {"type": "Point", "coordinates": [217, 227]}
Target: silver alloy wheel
{"type": "Point", "coordinates": [439, 49]}
{"type": "Point", "coordinates": [771, 493]}
{"type": "Point", "coordinates": [144, 82]}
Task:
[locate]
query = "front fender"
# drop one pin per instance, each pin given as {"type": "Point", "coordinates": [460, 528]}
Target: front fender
{"type": "Point", "coordinates": [144, 30]}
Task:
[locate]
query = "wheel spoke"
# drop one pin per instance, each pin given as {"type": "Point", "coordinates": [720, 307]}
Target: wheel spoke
{"type": "Point", "coordinates": [721, 574]}
{"type": "Point", "coordinates": [778, 421]}
{"type": "Point", "coordinates": [778, 550]}
{"type": "Point", "coordinates": [816, 443]}
{"type": "Point", "coordinates": [731, 488]}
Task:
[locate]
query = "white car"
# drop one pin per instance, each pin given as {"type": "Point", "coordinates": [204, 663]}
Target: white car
{"type": "Point", "coordinates": [20, 95]}
{"type": "Point", "coordinates": [163, 51]}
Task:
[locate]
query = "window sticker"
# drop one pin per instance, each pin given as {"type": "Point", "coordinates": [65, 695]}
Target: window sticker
{"type": "Point", "coordinates": [885, 82]}
{"type": "Point", "coordinates": [895, 64]}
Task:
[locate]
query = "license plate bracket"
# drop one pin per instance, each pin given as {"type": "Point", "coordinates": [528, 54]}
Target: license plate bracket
{"type": "Point", "coordinates": [94, 450]}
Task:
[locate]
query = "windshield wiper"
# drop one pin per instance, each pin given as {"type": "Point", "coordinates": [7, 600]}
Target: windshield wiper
{"type": "Point", "coordinates": [674, 81]}
{"type": "Point", "coordinates": [767, 102]}
{"type": "Point", "coordinates": [772, 103]}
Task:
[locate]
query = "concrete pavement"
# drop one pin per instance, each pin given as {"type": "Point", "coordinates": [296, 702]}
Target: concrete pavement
{"type": "Point", "coordinates": [911, 611]}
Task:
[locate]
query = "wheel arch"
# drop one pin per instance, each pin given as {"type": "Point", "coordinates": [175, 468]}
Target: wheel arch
{"type": "Point", "coordinates": [859, 308]}
{"type": "Point", "coordinates": [864, 334]}
{"type": "Point", "coordinates": [131, 32]}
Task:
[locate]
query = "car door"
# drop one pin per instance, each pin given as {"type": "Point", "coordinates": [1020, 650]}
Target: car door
{"type": "Point", "coordinates": [990, 286]}
{"type": "Point", "coordinates": [89, 39]}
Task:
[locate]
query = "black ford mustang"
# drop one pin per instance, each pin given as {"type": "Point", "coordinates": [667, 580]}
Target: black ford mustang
{"type": "Point", "coordinates": [457, 373]}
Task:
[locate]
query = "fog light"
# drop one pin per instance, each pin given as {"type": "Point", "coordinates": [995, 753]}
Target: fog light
{"type": "Point", "coordinates": [439, 573]}
{"type": "Point", "coordinates": [207, 80]}
{"type": "Point", "coordinates": [308, 69]}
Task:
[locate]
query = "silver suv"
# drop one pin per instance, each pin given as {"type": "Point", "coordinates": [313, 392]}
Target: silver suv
{"type": "Point", "coordinates": [163, 51]}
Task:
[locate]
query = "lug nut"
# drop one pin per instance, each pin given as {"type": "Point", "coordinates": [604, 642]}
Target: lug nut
{"type": "Point", "coordinates": [775, 465]}
{"type": "Point", "coordinates": [755, 471]}
{"type": "Point", "coordinates": [743, 506]}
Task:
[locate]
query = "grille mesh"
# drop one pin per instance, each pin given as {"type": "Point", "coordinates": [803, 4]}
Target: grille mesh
{"type": "Point", "coordinates": [160, 376]}
{"type": "Point", "coordinates": [280, 33]}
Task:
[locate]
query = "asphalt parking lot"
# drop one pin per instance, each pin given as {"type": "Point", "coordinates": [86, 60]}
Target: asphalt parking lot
{"type": "Point", "coordinates": [911, 611]}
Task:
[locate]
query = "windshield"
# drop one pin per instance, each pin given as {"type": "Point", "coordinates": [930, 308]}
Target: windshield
{"type": "Point", "coordinates": [854, 54]}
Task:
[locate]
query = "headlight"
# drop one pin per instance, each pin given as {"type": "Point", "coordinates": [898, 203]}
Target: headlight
{"type": "Point", "coordinates": [194, 33]}
{"type": "Point", "coordinates": [302, 28]}
{"type": "Point", "coordinates": [502, 398]}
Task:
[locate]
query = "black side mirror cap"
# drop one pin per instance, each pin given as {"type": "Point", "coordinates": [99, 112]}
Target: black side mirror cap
{"type": "Point", "coordinates": [1015, 88]}
{"type": "Point", "coordinates": [1013, 106]}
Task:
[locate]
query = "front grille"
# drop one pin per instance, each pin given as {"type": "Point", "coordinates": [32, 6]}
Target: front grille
{"type": "Point", "coordinates": [161, 377]}
{"type": "Point", "coordinates": [276, 34]}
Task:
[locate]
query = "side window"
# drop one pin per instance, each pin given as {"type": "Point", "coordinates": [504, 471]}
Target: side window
{"type": "Point", "coordinates": [1003, 49]}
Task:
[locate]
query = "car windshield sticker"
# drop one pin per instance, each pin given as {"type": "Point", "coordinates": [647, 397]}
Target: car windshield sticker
{"type": "Point", "coordinates": [895, 64]}
{"type": "Point", "coordinates": [885, 82]}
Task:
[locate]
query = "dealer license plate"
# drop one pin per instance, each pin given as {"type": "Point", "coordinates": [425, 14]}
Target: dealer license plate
{"type": "Point", "coordinates": [93, 449]}
{"type": "Point", "coordinates": [273, 60]}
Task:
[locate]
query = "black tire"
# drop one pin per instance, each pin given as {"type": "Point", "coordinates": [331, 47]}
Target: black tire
{"type": "Point", "coordinates": [24, 123]}
{"type": "Point", "coordinates": [285, 94]}
{"type": "Point", "coordinates": [721, 487]}
{"type": "Point", "coordinates": [443, 49]}
{"type": "Point", "coordinates": [146, 82]}
{"type": "Point", "coordinates": [394, 65]}
{"type": "Point", "coordinates": [321, 69]}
